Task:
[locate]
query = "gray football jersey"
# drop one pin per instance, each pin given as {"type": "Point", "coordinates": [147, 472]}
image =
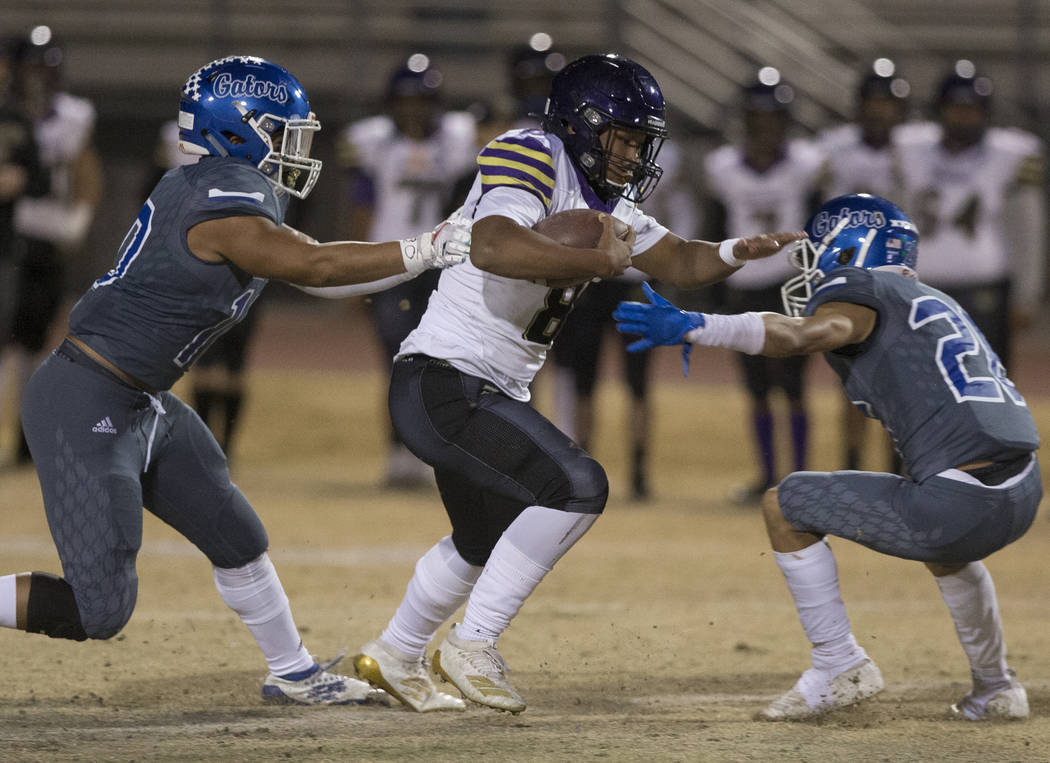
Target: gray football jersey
{"type": "Point", "coordinates": [927, 373]}
{"type": "Point", "coordinates": [160, 307]}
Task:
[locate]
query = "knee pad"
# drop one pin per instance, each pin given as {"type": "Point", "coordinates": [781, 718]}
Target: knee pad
{"type": "Point", "coordinates": [52, 608]}
{"type": "Point", "coordinates": [240, 537]}
{"type": "Point", "coordinates": [589, 485]}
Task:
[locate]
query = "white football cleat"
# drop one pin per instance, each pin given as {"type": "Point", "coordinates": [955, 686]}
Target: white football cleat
{"type": "Point", "coordinates": [407, 680]}
{"type": "Point", "coordinates": [322, 688]}
{"type": "Point", "coordinates": [1010, 704]}
{"type": "Point", "coordinates": [477, 670]}
{"type": "Point", "coordinates": [816, 693]}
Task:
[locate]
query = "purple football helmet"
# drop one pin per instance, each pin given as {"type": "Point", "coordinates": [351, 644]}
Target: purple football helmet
{"type": "Point", "coordinates": [595, 95]}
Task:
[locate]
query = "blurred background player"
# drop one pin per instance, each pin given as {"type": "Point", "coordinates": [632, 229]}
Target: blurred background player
{"type": "Point", "coordinates": [909, 355]}
{"type": "Point", "coordinates": [53, 226]}
{"type": "Point", "coordinates": [862, 157]}
{"type": "Point", "coordinates": [404, 165]}
{"type": "Point", "coordinates": [20, 174]}
{"type": "Point", "coordinates": [530, 69]}
{"type": "Point", "coordinates": [977, 196]}
{"type": "Point", "coordinates": [218, 378]}
{"type": "Point", "coordinates": [769, 182]}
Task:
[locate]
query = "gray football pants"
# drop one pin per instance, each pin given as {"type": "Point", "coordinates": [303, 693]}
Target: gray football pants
{"type": "Point", "coordinates": [939, 520]}
{"type": "Point", "coordinates": [89, 435]}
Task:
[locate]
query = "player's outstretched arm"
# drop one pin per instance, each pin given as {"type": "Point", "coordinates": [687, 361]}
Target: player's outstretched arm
{"type": "Point", "coordinates": [660, 322]}
{"type": "Point", "coordinates": [263, 249]}
{"type": "Point", "coordinates": [502, 247]}
{"type": "Point", "coordinates": [691, 264]}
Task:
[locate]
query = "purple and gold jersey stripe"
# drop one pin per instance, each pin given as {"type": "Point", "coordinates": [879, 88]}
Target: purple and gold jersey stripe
{"type": "Point", "coordinates": [521, 163]}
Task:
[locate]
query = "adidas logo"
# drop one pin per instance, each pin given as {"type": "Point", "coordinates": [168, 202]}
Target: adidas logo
{"type": "Point", "coordinates": [487, 687]}
{"type": "Point", "coordinates": [105, 426]}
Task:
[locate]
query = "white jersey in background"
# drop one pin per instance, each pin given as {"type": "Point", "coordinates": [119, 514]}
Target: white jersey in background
{"type": "Point", "coordinates": [500, 328]}
{"type": "Point", "coordinates": [412, 177]}
{"type": "Point", "coordinates": [61, 137]}
{"type": "Point", "coordinates": [853, 166]}
{"type": "Point", "coordinates": [777, 199]}
{"type": "Point", "coordinates": [980, 211]}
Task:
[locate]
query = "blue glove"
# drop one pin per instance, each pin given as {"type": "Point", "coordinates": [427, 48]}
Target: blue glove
{"type": "Point", "coordinates": [659, 323]}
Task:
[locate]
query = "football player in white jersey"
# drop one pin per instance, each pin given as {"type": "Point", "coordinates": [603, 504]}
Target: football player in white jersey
{"type": "Point", "coordinates": [403, 166]}
{"type": "Point", "coordinates": [517, 490]}
{"type": "Point", "coordinates": [862, 157]}
{"type": "Point", "coordinates": [768, 182]}
{"type": "Point", "coordinates": [53, 226]}
{"type": "Point", "coordinates": [976, 193]}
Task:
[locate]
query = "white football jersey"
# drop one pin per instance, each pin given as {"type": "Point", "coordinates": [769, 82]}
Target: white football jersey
{"type": "Point", "coordinates": [501, 328]}
{"type": "Point", "coordinates": [958, 201]}
{"type": "Point", "coordinates": [413, 178]}
{"type": "Point", "coordinates": [764, 202]}
{"type": "Point", "coordinates": [855, 167]}
{"type": "Point", "coordinates": [61, 136]}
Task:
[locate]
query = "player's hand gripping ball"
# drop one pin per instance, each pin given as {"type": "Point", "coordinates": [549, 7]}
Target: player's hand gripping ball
{"type": "Point", "coordinates": [578, 228]}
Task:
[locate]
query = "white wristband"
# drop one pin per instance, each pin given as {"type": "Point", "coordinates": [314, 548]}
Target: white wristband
{"type": "Point", "coordinates": [412, 251]}
{"type": "Point", "coordinates": [744, 332]}
{"type": "Point", "coordinates": [725, 251]}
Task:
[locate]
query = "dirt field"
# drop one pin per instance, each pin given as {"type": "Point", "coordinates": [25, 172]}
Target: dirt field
{"type": "Point", "coordinates": [658, 637]}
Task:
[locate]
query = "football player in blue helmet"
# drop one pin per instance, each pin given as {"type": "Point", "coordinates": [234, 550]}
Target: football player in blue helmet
{"type": "Point", "coordinates": [909, 356]}
{"type": "Point", "coordinates": [198, 254]}
{"type": "Point", "coordinates": [592, 99]}
{"type": "Point", "coordinates": [249, 108]}
{"type": "Point", "coordinates": [860, 231]}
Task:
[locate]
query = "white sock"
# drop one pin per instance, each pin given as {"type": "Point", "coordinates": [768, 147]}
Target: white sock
{"type": "Point", "coordinates": [813, 579]}
{"type": "Point", "coordinates": [8, 602]}
{"type": "Point", "coordinates": [970, 596]}
{"type": "Point", "coordinates": [442, 582]}
{"type": "Point", "coordinates": [255, 593]}
{"type": "Point", "coordinates": [526, 552]}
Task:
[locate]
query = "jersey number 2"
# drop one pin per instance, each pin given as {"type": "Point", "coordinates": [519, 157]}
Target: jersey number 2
{"type": "Point", "coordinates": [962, 349]}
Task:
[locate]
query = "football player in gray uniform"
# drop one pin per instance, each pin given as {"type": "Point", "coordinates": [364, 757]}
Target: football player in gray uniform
{"type": "Point", "coordinates": [908, 355]}
{"type": "Point", "coordinates": [106, 434]}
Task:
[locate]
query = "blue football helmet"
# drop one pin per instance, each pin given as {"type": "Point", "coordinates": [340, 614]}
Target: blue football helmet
{"type": "Point", "coordinates": [591, 98]}
{"type": "Point", "coordinates": [238, 106]}
{"type": "Point", "coordinates": [858, 230]}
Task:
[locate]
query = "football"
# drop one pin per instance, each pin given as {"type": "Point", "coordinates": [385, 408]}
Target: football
{"type": "Point", "coordinates": [578, 228]}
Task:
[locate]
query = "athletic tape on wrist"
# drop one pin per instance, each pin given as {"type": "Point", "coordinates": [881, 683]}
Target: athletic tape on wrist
{"type": "Point", "coordinates": [725, 251]}
{"type": "Point", "coordinates": [412, 253]}
{"type": "Point", "coordinates": [745, 332]}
